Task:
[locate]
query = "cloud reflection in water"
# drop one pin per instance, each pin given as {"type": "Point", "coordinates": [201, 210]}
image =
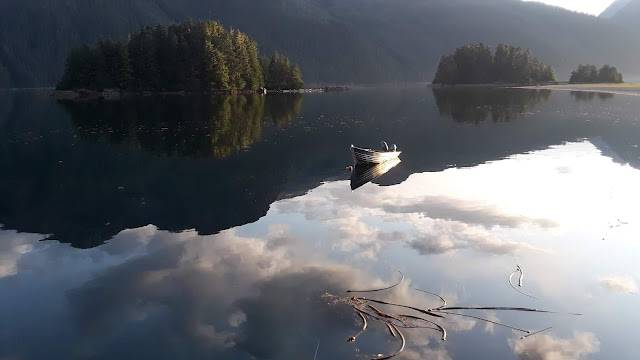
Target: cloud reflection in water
{"type": "Point", "coordinates": [255, 291]}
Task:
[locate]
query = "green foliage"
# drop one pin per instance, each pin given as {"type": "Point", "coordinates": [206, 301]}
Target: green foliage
{"type": "Point", "coordinates": [589, 74]}
{"type": "Point", "coordinates": [281, 74]}
{"type": "Point", "coordinates": [192, 56]}
{"type": "Point", "coordinates": [584, 74]}
{"type": "Point", "coordinates": [475, 64]}
{"type": "Point", "coordinates": [609, 74]}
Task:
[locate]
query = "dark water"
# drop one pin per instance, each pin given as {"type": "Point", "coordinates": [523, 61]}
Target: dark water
{"type": "Point", "coordinates": [198, 227]}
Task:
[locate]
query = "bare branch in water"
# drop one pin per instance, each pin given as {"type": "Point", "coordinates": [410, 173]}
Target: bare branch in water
{"type": "Point", "coordinates": [537, 332]}
{"type": "Point", "coordinates": [515, 288]}
{"type": "Point", "coordinates": [521, 275]}
{"type": "Point", "coordinates": [387, 288]}
{"type": "Point", "coordinates": [364, 327]}
{"type": "Point", "coordinates": [424, 311]}
{"type": "Point", "coordinates": [364, 308]}
{"type": "Point", "coordinates": [502, 308]}
{"type": "Point", "coordinates": [391, 330]}
{"type": "Point", "coordinates": [487, 320]}
{"type": "Point", "coordinates": [401, 347]}
{"type": "Point", "coordinates": [444, 302]}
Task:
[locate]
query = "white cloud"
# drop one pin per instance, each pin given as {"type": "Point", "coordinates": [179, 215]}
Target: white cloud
{"type": "Point", "coordinates": [547, 347]}
{"type": "Point", "coordinates": [623, 284]}
{"type": "Point", "coordinates": [13, 246]}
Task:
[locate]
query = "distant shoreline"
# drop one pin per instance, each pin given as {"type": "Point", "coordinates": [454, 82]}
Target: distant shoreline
{"type": "Point", "coordinates": [620, 89]}
{"type": "Point", "coordinates": [114, 94]}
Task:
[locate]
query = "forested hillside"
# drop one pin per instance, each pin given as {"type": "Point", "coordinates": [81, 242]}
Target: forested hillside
{"type": "Point", "coordinates": [333, 41]}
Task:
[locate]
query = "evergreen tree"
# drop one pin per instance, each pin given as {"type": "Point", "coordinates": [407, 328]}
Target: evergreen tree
{"type": "Point", "coordinates": [281, 74]}
{"type": "Point", "coordinates": [193, 56]}
{"type": "Point", "coordinates": [475, 64]}
{"type": "Point", "coordinates": [609, 74]}
{"type": "Point", "coordinates": [584, 74]}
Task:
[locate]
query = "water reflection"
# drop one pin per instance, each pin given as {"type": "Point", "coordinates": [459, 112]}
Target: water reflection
{"type": "Point", "coordinates": [255, 291]}
{"type": "Point", "coordinates": [365, 173]}
{"type": "Point", "coordinates": [590, 96]}
{"type": "Point", "coordinates": [194, 126]}
{"type": "Point", "coordinates": [83, 181]}
{"type": "Point", "coordinates": [475, 105]}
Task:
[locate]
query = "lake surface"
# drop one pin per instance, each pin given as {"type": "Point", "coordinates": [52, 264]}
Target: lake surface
{"type": "Point", "coordinates": [213, 227]}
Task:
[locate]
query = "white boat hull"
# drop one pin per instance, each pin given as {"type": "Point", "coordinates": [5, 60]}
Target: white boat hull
{"type": "Point", "coordinates": [368, 156]}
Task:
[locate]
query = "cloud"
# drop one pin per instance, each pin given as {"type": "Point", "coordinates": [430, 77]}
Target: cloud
{"type": "Point", "coordinates": [365, 223]}
{"type": "Point", "coordinates": [442, 236]}
{"type": "Point", "coordinates": [623, 284]}
{"type": "Point", "coordinates": [491, 327]}
{"type": "Point", "coordinates": [13, 246]}
{"type": "Point", "coordinates": [445, 208]}
{"type": "Point", "coordinates": [547, 347]}
{"type": "Point", "coordinates": [224, 294]}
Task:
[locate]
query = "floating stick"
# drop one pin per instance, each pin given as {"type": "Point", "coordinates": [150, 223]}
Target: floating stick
{"type": "Point", "coordinates": [390, 329]}
{"type": "Point", "coordinates": [487, 320]}
{"type": "Point", "coordinates": [424, 311]}
{"type": "Point", "coordinates": [537, 332]}
{"type": "Point", "coordinates": [444, 302]}
{"type": "Point", "coordinates": [364, 327]}
{"type": "Point", "coordinates": [401, 347]}
{"type": "Point", "coordinates": [520, 284]}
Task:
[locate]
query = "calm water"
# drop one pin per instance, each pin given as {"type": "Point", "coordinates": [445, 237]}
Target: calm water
{"type": "Point", "coordinates": [210, 228]}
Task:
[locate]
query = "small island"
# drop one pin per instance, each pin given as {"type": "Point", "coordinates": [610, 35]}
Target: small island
{"type": "Point", "coordinates": [194, 56]}
{"type": "Point", "coordinates": [589, 74]}
{"type": "Point", "coordinates": [476, 64]}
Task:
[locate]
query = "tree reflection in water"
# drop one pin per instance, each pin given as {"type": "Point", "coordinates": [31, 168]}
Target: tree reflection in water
{"type": "Point", "coordinates": [589, 95]}
{"type": "Point", "coordinates": [193, 126]}
{"type": "Point", "coordinates": [474, 105]}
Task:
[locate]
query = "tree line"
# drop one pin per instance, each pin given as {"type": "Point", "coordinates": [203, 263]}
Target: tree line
{"type": "Point", "coordinates": [589, 74]}
{"type": "Point", "coordinates": [476, 64]}
{"type": "Point", "coordinates": [190, 56]}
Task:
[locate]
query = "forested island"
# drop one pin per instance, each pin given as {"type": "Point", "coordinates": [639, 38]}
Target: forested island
{"type": "Point", "coordinates": [589, 74]}
{"type": "Point", "coordinates": [476, 64]}
{"type": "Point", "coordinates": [189, 56]}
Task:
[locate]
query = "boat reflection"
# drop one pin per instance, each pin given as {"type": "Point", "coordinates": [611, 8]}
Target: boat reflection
{"type": "Point", "coordinates": [365, 173]}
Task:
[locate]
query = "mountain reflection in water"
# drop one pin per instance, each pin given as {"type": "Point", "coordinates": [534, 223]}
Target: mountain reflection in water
{"type": "Point", "coordinates": [83, 172]}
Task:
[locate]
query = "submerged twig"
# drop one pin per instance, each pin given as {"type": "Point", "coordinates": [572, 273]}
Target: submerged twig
{"type": "Point", "coordinates": [424, 311]}
{"type": "Point", "coordinates": [487, 320]}
{"type": "Point", "coordinates": [520, 284]}
{"type": "Point", "coordinates": [401, 347]}
{"type": "Point", "coordinates": [391, 330]}
{"type": "Point", "coordinates": [385, 315]}
{"type": "Point", "coordinates": [387, 288]}
{"type": "Point", "coordinates": [537, 332]}
{"type": "Point", "coordinates": [364, 327]}
{"type": "Point", "coordinates": [444, 302]}
{"type": "Point", "coordinates": [503, 308]}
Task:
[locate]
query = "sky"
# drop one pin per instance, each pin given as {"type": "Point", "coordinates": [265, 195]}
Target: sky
{"type": "Point", "coordinates": [594, 7]}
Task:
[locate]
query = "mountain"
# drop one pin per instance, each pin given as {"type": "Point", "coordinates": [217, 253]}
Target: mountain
{"type": "Point", "coordinates": [614, 9]}
{"type": "Point", "coordinates": [333, 41]}
{"type": "Point", "coordinates": [625, 13]}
